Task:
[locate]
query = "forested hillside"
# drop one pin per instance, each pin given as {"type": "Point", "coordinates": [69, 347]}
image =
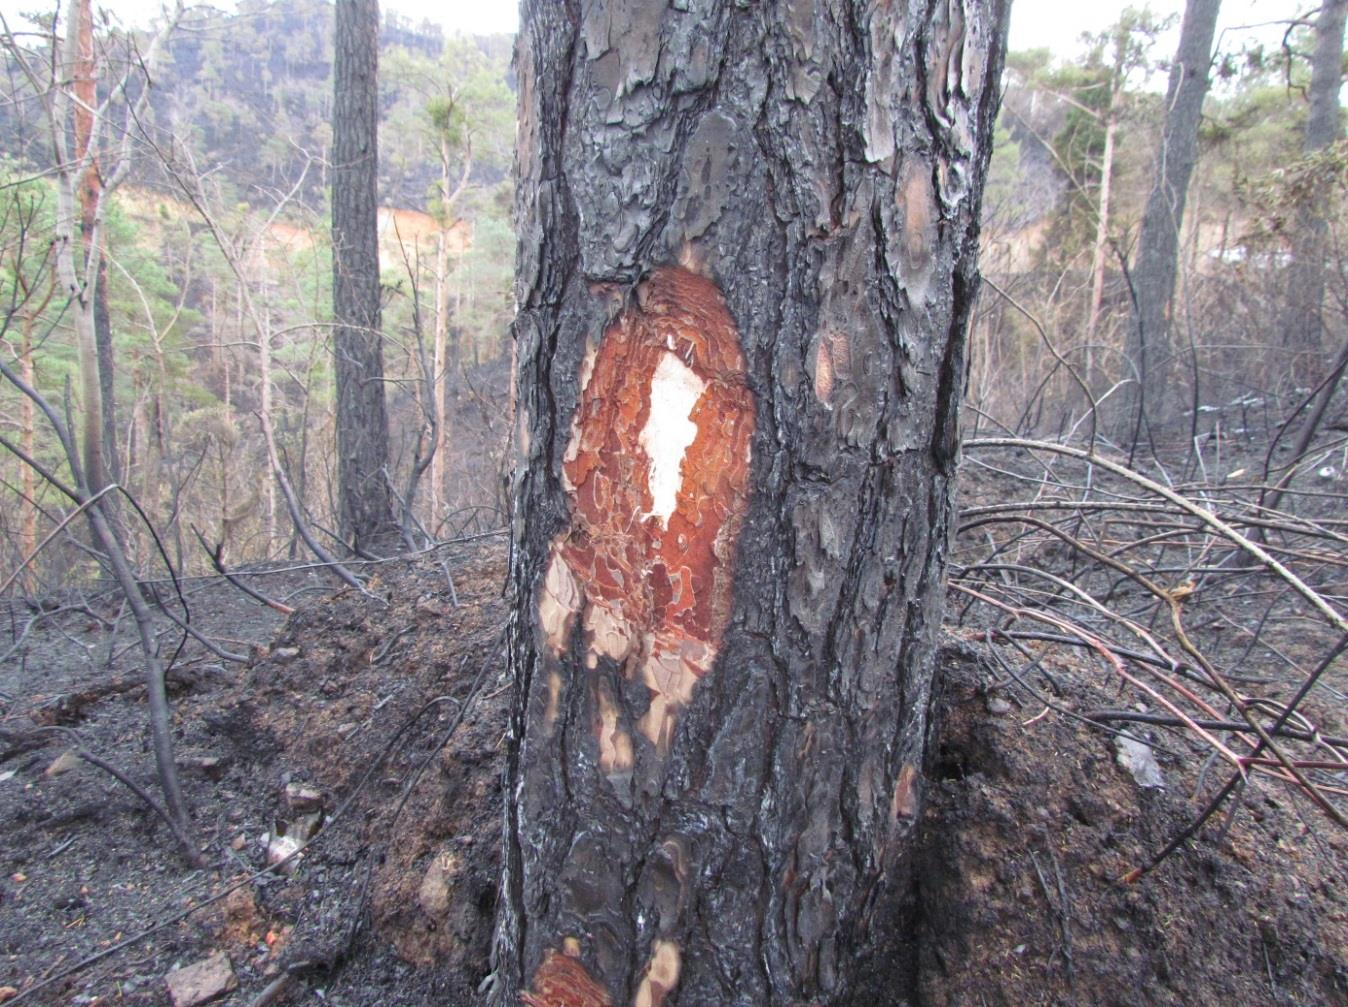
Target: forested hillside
{"type": "Point", "coordinates": [1075, 162]}
{"type": "Point", "coordinates": [218, 276]}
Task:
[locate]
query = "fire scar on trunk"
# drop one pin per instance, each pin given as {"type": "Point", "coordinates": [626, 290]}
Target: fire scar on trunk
{"type": "Point", "coordinates": [657, 476]}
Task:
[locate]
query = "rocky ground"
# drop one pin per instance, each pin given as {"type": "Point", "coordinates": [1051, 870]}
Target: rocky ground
{"type": "Point", "coordinates": [382, 720]}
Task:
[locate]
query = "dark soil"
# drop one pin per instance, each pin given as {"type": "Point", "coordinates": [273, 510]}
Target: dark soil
{"type": "Point", "coordinates": [1030, 823]}
{"type": "Point", "coordinates": [1030, 828]}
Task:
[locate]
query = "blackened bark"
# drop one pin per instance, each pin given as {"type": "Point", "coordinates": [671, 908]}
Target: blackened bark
{"type": "Point", "coordinates": [364, 502]}
{"type": "Point", "coordinates": [1154, 271]}
{"type": "Point", "coordinates": [746, 264]}
{"type": "Point", "coordinates": [1303, 320]}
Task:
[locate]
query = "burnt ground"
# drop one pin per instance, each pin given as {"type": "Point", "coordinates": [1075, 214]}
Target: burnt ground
{"type": "Point", "coordinates": [1030, 823]}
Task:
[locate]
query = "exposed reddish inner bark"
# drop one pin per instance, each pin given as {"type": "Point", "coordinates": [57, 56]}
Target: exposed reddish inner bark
{"type": "Point", "coordinates": [561, 981]}
{"type": "Point", "coordinates": [665, 405]}
{"type": "Point", "coordinates": [657, 475]}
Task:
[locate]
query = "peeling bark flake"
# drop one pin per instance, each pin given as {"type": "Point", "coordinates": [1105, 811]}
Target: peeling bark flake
{"type": "Point", "coordinates": [563, 981]}
{"type": "Point", "coordinates": [832, 364]}
{"type": "Point", "coordinates": [662, 975]}
{"type": "Point", "coordinates": [919, 211]}
{"type": "Point", "coordinates": [558, 604]}
{"type": "Point", "coordinates": [615, 744]}
{"type": "Point", "coordinates": [905, 793]}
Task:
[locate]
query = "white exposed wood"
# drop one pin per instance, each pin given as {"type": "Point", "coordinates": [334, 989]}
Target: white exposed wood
{"type": "Point", "coordinates": [669, 430]}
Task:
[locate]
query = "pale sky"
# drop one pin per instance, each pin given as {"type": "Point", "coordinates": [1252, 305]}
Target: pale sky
{"type": "Point", "coordinates": [1055, 24]}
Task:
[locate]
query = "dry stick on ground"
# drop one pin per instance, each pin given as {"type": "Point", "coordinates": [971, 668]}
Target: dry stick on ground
{"type": "Point", "coordinates": [218, 562]}
{"type": "Point", "coordinates": [1217, 528]}
{"type": "Point", "coordinates": [1095, 643]}
{"type": "Point", "coordinates": [82, 752]}
{"type": "Point", "coordinates": [1314, 598]}
{"type": "Point", "coordinates": [1200, 727]}
{"type": "Point", "coordinates": [1237, 779]}
{"type": "Point", "coordinates": [1265, 738]}
{"type": "Point", "coordinates": [205, 641]}
{"type": "Point", "coordinates": [1160, 720]}
{"type": "Point", "coordinates": [1173, 600]}
{"type": "Point", "coordinates": [273, 991]}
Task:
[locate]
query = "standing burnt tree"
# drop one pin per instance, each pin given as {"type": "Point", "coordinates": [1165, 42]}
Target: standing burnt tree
{"type": "Point", "coordinates": [364, 505]}
{"type": "Point", "coordinates": [1150, 348]}
{"type": "Point", "coordinates": [1303, 318]}
{"type": "Point", "coordinates": [746, 265]}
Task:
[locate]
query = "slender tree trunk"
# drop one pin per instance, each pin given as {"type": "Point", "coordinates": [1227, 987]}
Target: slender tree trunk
{"type": "Point", "coordinates": [1303, 320]}
{"type": "Point", "coordinates": [265, 412]}
{"type": "Point", "coordinates": [440, 365]}
{"type": "Point", "coordinates": [107, 373]}
{"type": "Point", "coordinates": [364, 502]}
{"type": "Point", "coordinates": [450, 192]}
{"type": "Point", "coordinates": [28, 441]}
{"type": "Point", "coordinates": [85, 90]}
{"type": "Point", "coordinates": [746, 267]}
{"type": "Point", "coordinates": [34, 303]}
{"type": "Point", "coordinates": [158, 444]}
{"type": "Point", "coordinates": [78, 205]}
{"type": "Point", "coordinates": [1100, 251]}
{"type": "Point", "coordinates": [1154, 271]}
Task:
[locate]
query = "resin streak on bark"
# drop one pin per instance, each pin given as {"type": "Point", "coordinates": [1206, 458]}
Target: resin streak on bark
{"type": "Point", "coordinates": [657, 478]}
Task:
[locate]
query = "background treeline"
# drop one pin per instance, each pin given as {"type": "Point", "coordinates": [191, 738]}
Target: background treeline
{"type": "Point", "coordinates": [221, 223]}
{"type": "Point", "coordinates": [1076, 157]}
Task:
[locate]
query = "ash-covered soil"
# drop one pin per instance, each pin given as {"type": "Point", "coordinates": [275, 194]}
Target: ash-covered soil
{"type": "Point", "coordinates": [356, 710]}
{"type": "Point", "coordinates": [343, 707]}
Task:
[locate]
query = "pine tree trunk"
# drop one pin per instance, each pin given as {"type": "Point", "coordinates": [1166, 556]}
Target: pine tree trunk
{"type": "Point", "coordinates": [364, 501]}
{"type": "Point", "coordinates": [1303, 320]}
{"type": "Point", "coordinates": [1149, 346]}
{"type": "Point", "coordinates": [746, 266]}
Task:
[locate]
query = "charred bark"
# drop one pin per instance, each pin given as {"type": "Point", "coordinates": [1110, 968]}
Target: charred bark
{"type": "Point", "coordinates": [364, 502]}
{"type": "Point", "coordinates": [1158, 244]}
{"type": "Point", "coordinates": [746, 263]}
